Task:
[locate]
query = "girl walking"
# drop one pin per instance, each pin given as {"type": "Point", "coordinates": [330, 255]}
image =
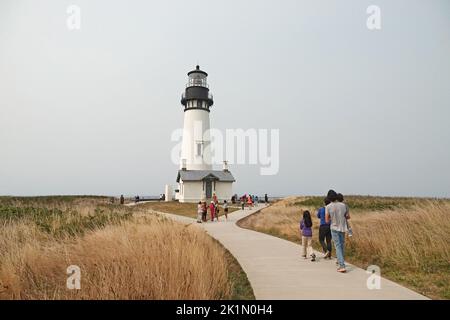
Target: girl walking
{"type": "Point", "coordinates": [306, 234]}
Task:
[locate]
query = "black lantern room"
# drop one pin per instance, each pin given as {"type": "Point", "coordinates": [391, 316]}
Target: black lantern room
{"type": "Point", "coordinates": [197, 95]}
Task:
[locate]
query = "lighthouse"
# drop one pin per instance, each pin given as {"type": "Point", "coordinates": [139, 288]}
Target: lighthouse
{"type": "Point", "coordinates": [197, 180]}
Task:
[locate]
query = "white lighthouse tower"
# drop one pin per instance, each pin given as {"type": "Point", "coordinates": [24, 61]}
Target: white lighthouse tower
{"type": "Point", "coordinates": [196, 178]}
{"type": "Point", "coordinates": [197, 101]}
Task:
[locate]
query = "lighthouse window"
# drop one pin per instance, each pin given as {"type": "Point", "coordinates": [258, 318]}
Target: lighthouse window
{"type": "Point", "coordinates": [199, 148]}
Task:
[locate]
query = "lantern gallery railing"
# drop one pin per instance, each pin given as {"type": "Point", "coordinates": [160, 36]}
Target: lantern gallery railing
{"type": "Point", "coordinates": [210, 96]}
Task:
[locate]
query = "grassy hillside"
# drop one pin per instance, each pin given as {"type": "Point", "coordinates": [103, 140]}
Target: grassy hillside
{"type": "Point", "coordinates": [123, 253]}
{"type": "Point", "coordinates": [408, 238]}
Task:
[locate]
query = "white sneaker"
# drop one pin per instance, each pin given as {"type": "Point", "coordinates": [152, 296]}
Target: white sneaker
{"type": "Point", "coordinates": [350, 232]}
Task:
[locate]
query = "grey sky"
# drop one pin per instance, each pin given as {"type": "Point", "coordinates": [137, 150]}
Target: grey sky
{"type": "Point", "coordinates": [92, 111]}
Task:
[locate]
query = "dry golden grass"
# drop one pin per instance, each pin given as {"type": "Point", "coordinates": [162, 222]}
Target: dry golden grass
{"type": "Point", "coordinates": [152, 260]}
{"type": "Point", "coordinates": [409, 238]}
{"type": "Point", "coordinates": [280, 219]}
{"type": "Point", "coordinates": [144, 257]}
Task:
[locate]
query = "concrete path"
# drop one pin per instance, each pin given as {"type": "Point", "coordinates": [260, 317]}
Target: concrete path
{"type": "Point", "coordinates": [276, 270]}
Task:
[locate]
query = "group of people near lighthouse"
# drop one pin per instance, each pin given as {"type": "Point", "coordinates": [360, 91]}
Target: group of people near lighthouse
{"type": "Point", "coordinates": [247, 200]}
{"type": "Point", "coordinates": [333, 217]}
{"type": "Point", "coordinates": [213, 208]}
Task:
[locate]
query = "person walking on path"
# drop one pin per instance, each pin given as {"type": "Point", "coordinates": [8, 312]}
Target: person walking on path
{"type": "Point", "coordinates": [225, 209]}
{"type": "Point", "coordinates": [212, 207]}
{"type": "Point", "coordinates": [204, 211]}
{"type": "Point", "coordinates": [199, 212]}
{"type": "Point", "coordinates": [306, 233]}
{"type": "Point", "coordinates": [216, 210]}
{"type": "Point", "coordinates": [122, 199]}
{"type": "Point", "coordinates": [340, 198]}
{"type": "Point", "coordinates": [249, 202]}
{"type": "Point", "coordinates": [335, 214]}
{"type": "Point", "coordinates": [324, 231]}
{"type": "Point", "coordinates": [266, 198]}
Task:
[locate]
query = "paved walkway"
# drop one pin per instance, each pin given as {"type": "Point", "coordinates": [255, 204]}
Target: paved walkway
{"type": "Point", "coordinates": [276, 270]}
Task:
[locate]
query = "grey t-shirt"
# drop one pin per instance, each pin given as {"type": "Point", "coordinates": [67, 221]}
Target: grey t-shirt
{"type": "Point", "coordinates": [337, 211]}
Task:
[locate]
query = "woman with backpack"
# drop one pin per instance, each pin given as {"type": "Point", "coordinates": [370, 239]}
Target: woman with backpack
{"type": "Point", "coordinates": [306, 234]}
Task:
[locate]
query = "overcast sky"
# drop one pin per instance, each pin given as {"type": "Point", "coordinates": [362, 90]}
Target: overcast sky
{"type": "Point", "coordinates": [91, 111]}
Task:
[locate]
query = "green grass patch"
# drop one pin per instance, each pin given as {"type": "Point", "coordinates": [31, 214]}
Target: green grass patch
{"type": "Point", "coordinates": [365, 203]}
{"type": "Point", "coordinates": [51, 217]}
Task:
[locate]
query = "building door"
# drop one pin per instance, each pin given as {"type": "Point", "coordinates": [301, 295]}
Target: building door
{"type": "Point", "coordinates": [208, 186]}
